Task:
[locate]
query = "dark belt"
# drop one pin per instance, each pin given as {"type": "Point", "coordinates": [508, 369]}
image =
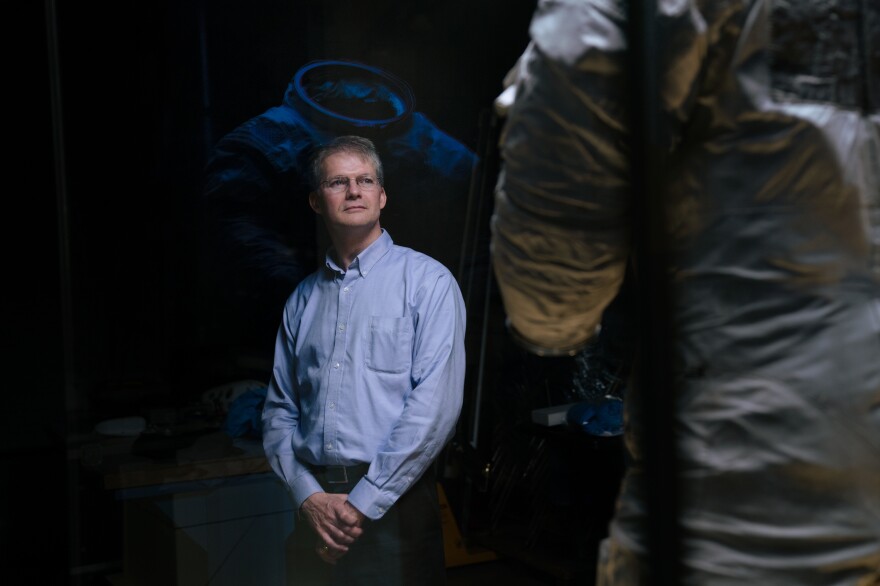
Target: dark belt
{"type": "Point", "coordinates": [339, 474]}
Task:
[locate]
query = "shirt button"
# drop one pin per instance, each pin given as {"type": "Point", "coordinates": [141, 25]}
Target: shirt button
{"type": "Point", "coordinates": [329, 446]}
{"type": "Point", "coordinates": [381, 509]}
{"type": "Point", "coordinates": [341, 327]}
{"type": "Point", "coordinates": [346, 289]}
{"type": "Point", "coordinates": [335, 365]}
{"type": "Point", "coordinates": [332, 406]}
{"type": "Point", "coordinates": [365, 273]}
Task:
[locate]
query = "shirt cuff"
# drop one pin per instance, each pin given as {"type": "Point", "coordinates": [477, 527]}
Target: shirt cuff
{"type": "Point", "coordinates": [369, 500]}
{"type": "Point", "coordinates": [303, 487]}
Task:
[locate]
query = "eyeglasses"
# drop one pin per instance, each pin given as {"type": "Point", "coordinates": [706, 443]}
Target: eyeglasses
{"type": "Point", "coordinates": [340, 184]}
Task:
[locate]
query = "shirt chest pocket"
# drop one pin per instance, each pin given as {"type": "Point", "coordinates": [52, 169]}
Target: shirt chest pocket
{"type": "Point", "coordinates": [389, 347]}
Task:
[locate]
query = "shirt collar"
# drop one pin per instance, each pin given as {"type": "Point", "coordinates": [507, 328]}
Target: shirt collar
{"type": "Point", "coordinates": [368, 257]}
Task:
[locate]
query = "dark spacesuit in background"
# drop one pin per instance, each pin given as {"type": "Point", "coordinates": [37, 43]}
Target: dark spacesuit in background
{"type": "Point", "coordinates": [773, 113]}
{"type": "Point", "coordinates": [263, 237]}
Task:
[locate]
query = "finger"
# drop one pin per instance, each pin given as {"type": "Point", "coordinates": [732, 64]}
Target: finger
{"type": "Point", "coordinates": [335, 537]}
{"type": "Point", "coordinates": [349, 535]}
{"type": "Point", "coordinates": [327, 557]}
{"type": "Point", "coordinates": [353, 532]}
{"type": "Point", "coordinates": [327, 553]}
{"type": "Point", "coordinates": [329, 549]}
{"type": "Point", "coordinates": [343, 534]}
{"type": "Point", "coordinates": [338, 540]}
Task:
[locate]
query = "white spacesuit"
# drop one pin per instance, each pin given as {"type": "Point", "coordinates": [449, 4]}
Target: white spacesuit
{"type": "Point", "coordinates": [773, 112]}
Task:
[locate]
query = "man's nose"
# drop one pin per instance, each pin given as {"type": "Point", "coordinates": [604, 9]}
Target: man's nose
{"type": "Point", "coordinates": [354, 190]}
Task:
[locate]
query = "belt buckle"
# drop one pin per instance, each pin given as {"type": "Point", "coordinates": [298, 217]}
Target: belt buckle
{"type": "Point", "coordinates": [336, 475]}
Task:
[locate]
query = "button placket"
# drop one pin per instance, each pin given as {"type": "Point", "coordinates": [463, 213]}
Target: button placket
{"type": "Point", "coordinates": [337, 372]}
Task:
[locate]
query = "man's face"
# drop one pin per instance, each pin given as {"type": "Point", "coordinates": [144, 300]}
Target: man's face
{"type": "Point", "coordinates": [358, 205]}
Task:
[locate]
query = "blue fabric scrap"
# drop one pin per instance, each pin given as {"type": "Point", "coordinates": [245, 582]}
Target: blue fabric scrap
{"type": "Point", "coordinates": [245, 414]}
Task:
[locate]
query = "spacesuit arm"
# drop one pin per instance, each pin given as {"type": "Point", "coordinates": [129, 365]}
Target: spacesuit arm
{"type": "Point", "coordinates": [560, 230]}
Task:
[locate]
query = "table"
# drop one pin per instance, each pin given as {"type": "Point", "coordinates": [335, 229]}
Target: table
{"type": "Point", "coordinates": [214, 513]}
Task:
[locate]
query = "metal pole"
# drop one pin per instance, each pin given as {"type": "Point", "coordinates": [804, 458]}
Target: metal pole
{"type": "Point", "coordinates": [654, 396]}
{"type": "Point", "coordinates": [72, 399]}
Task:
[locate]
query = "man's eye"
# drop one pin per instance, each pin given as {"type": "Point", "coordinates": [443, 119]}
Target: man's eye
{"type": "Point", "coordinates": [338, 182]}
{"type": "Point", "coordinates": [366, 181]}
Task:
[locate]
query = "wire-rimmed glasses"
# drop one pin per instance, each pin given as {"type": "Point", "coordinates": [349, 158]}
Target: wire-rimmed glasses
{"type": "Point", "coordinates": [342, 183]}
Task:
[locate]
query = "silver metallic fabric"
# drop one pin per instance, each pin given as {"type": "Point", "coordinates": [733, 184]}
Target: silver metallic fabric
{"type": "Point", "coordinates": [772, 109]}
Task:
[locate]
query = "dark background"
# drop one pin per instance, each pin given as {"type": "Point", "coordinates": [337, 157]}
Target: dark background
{"type": "Point", "coordinates": [148, 88]}
{"type": "Point", "coordinates": [115, 108]}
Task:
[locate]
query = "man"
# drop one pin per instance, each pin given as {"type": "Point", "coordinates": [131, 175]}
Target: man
{"type": "Point", "coordinates": [772, 111]}
{"type": "Point", "coordinates": [366, 389]}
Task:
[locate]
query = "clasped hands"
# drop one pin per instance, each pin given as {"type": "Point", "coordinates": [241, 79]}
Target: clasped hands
{"type": "Point", "coordinates": [336, 521]}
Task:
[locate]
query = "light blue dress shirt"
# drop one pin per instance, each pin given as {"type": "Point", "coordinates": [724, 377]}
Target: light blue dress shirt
{"type": "Point", "coordinates": [369, 368]}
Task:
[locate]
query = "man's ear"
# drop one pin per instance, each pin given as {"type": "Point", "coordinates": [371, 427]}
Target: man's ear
{"type": "Point", "coordinates": [382, 199]}
{"type": "Point", "coordinates": [314, 202]}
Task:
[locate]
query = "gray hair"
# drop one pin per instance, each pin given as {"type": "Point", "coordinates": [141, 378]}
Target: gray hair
{"type": "Point", "coordinates": [355, 145]}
